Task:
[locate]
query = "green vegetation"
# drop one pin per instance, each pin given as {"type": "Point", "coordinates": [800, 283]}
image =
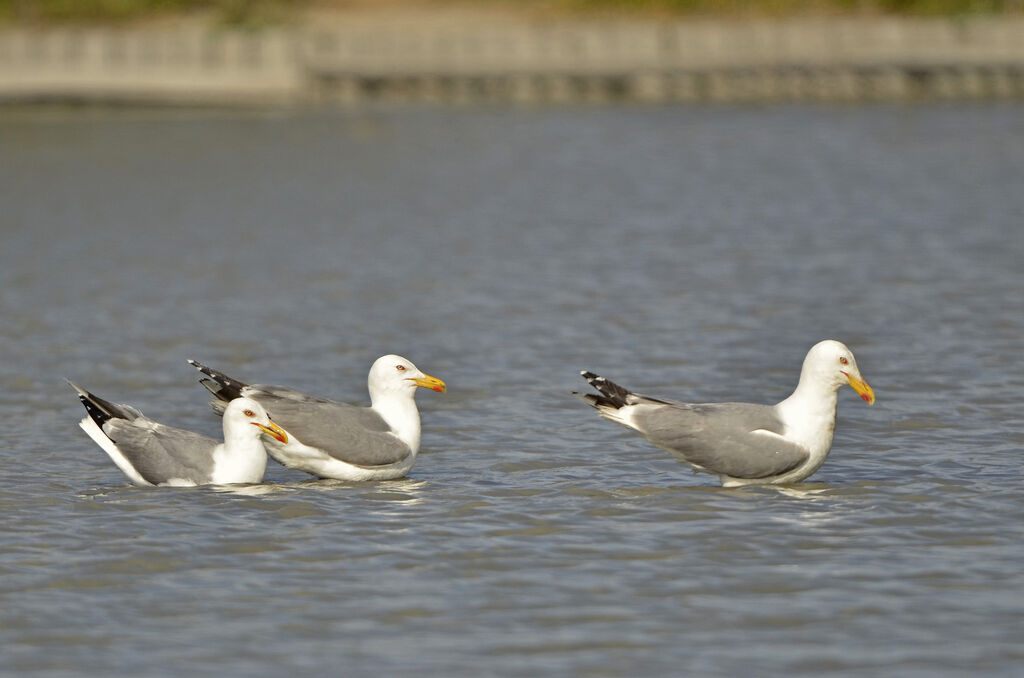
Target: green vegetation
{"type": "Point", "coordinates": [254, 12]}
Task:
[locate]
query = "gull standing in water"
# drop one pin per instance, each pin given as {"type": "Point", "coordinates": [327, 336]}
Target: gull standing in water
{"type": "Point", "coordinates": [744, 443]}
{"type": "Point", "coordinates": [334, 440]}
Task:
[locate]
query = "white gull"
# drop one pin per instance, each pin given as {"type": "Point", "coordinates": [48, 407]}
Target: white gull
{"type": "Point", "coordinates": [151, 453]}
{"type": "Point", "coordinates": [335, 440]}
{"type": "Point", "coordinates": [745, 443]}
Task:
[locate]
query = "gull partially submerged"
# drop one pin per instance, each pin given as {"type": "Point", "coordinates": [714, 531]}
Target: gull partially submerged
{"type": "Point", "coordinates": [151, 453]}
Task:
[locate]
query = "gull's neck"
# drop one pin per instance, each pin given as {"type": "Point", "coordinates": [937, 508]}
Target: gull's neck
{"type": "Point", "coordinates": [400, 413]}
{"type": "Point", "coordinates": [241, 458]}
{"type": "Point", "coordinates": [809, 415]}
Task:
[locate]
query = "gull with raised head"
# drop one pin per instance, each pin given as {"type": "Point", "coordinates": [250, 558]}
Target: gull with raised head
{"type": "Point", "coordinates": [335, 440]}
{"type": "Point", "coordinates": [744, 443]}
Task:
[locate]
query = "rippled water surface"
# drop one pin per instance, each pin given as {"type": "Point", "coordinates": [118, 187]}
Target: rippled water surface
{"type": "Point", "coordinates": [692, 253]}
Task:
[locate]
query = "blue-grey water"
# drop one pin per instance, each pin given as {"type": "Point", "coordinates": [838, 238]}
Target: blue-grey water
{"type": "Point", "coordinates": [693, 253]}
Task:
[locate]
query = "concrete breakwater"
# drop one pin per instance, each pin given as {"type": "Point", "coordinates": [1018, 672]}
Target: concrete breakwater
{"type": "Point", "coordinates": [504, 61]}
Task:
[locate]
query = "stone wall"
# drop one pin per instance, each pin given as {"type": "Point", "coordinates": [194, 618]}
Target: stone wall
{"type": "Point", "coordinates": [502, 61]}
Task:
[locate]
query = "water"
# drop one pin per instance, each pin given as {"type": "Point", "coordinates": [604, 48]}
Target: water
{"type": "Point", "coordinates": [693, 253]}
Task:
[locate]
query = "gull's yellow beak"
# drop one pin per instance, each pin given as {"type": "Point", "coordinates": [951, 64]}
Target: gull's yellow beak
{"type": "Point", "coordinates": [433, 383]}
{"type": "Point", "coordinates": [274, 431]}
{"type": "Point", "coordinates": [862, 389]}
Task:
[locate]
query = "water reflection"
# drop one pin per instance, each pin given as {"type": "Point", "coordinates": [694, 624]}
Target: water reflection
{"type": "Point", "coordinates": [802, 491]}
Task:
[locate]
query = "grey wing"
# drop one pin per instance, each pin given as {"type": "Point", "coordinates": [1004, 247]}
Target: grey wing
{"type": "Point", "coordinates": [356, 435]}
{"type": "Point", "coordinates": [719, 438]}
{"type": "Point", "coordinates": [258, 391]}
{"type": "Point", "coordinates": [269, 394]}
{"type": "Point", "coordinates": [161, 453]}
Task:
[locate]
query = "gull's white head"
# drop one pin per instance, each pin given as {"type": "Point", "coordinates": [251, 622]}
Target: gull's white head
{"type": "Point", "coordinates": [393, 374]}
{"type": "Point", "coordinates": [242, 414]}
{"type": "Point", "coordinates": [832, 362]}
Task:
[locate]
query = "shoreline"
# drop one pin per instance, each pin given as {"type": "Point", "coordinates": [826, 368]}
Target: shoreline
{"type": "Point", "coordinates": [451, 59]}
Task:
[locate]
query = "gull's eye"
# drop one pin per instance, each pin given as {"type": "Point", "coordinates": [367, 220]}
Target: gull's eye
{"type": "Point", "coordinates": [843, 360]}
{"type": "Point", "coordinates": [400, 368]}
{"type": "Point", "coordinates": [249, 413]}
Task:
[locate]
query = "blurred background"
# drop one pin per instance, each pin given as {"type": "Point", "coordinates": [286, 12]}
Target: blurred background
{"type": "Point", "coordinates": [682, 197]}
{"type": "Point", "coordinates": [344, 53]}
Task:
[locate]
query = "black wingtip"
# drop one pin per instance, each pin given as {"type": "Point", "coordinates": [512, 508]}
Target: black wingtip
{"type": "Point", "coordinates": [81, 391]}
{"type": "Point", "coordinates": [597, 401]}
{"type": "Point", "coordinates": [226, 388]}
{"type": "Point", "coordinates": [199, 366]}
{"type": "Point", "coordinates": [99, 410]}
{"type": "Point", "coordinates": [612, 394]}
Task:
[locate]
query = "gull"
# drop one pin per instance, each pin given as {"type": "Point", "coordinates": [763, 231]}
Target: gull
{"type": "Point", "coordinates": [151, 453]}
{"type": "Point", "coordinates": [333, 440]}
{"type": "Point", "coordinates": [744, 443]}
